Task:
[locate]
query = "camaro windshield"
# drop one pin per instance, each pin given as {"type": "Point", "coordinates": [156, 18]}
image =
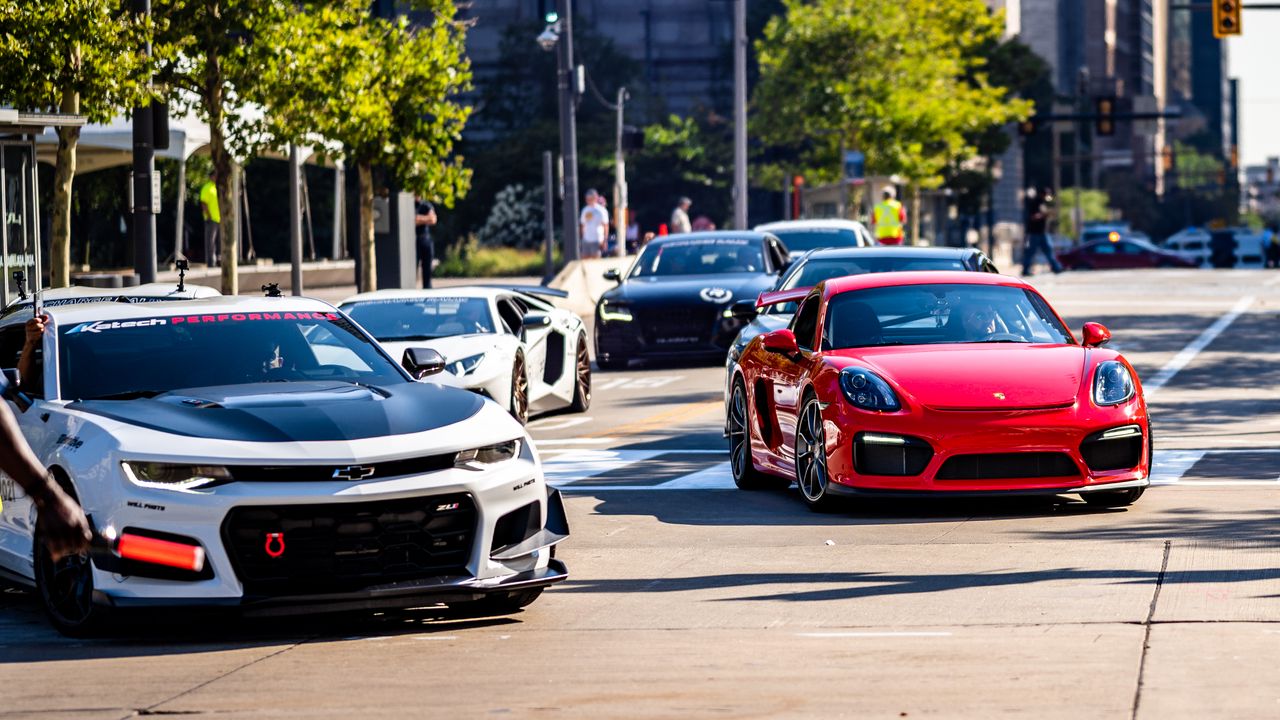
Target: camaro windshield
{"type": "Point", "coordinates": [422, 318]}
{"type": "Point", "coordinates": [814, 238]}
{"type": "Point", "coordinates": [139, 358]}
{"type": "Point", "coordinates": [701, 256]}
{"type": "Point", "coordinates": [816, 270]}
{"type": "Point", "coordinates": [928, 314]}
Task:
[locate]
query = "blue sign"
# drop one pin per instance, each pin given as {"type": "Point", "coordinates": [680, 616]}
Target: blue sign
{"type": "Point", "coordinates": [855, 166]}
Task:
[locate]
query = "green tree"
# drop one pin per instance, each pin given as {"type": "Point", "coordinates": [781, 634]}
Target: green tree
{"type": "Point", "coordinates": [386, 91]}
{"type": "Point", "coordinates": [905, 81]}
{"type": "Point", "coordinates": [78, 56]}
{"type": "Point", "coordinates": [1095, 206]}
{"type": "Point", "coordinates": [690, 156]}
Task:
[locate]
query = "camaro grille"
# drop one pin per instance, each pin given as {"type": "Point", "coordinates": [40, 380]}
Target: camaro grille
{"type": "Point", "coordinates": [677, 326]}
{"type": "Point", "coordinates": [342, 547]}
{"type": "Point", "coordinates": [1008, 466]}
{"type": "Point", "coordinates": [346, 472]}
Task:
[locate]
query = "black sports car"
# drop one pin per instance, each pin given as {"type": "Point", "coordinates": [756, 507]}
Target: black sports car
{"type": "Point", "coordinates": [818, 265]}
{"type": "Point", "coordinates": [675, 300]}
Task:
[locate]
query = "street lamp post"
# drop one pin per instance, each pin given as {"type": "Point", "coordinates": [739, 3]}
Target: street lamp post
{"type": "Point", "coordinates": [558, 36]}
{"type": "Point", "coordinates": [620, 180]}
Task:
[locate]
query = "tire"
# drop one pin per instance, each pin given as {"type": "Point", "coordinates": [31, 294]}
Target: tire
{"type": "Point", "coordinates": [738, 425]}
{"type": "Point", "coordinates": [582, 377]}
{"type": "Point", "coordinates": [1113, 498]}
{"type": "Point", "coordinates": [811, 460]}
{"type": "Point", "coordinates": [519, 391]}
{"type": "Point", "coordinates": [497, 603]}
{"type": "Point", "coordinates": [65, 590]}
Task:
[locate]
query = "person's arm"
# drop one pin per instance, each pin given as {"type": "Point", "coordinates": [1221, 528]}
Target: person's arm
{"type": "Point", "coordinates": [61, 523]}
{"type": "Point", "coordinates": [31, 343]}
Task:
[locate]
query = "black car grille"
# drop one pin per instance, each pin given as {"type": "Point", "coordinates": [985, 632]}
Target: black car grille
{"type": "Point", "coordinates": [900, 455]}
{"type": "Point", "coordinates": [675, 326]}
{"type": "Point", "coordinates": [1115, 449]}
{"type": "Point", "coordinates": [342, 547]}
{"type": "Point", "coordinates": [1007, 466]}
{"type": "Point", "coordinates": [348, 472]}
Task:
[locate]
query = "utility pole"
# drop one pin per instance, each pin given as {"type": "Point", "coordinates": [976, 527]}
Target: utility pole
{"type": "Point", "coordinates": [1082, 92]}
{"type": "Point", "coordinates": [144, 168]}
{"type": "Point", "coordinates": [740, 114]}
{"type": "Point", "coordinates": [295, 220]}
{"type": "Point", "coordinates": [620, 181]}
{"type": "Point", "coordinates": [567, 81]}
{"type": "Point", "coordinates": [549, 215]}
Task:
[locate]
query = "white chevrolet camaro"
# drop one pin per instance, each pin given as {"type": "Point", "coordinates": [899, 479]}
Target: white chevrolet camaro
{"type": "Point", "coordinates": [278, 437]}
{"type": "Point", "coordinates": [508, 344]}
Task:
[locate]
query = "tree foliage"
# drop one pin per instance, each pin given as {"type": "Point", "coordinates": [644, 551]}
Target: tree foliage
{"type": "Point", "coordinates": [904, 81]}
{"type": "Point", "coordinates": [515, 220]}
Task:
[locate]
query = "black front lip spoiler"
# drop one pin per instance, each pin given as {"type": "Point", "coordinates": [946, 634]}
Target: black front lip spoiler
{"type": "Point", "coordinates": [413, 593]}
{"type": "Point", "coordinates": [837, 489]}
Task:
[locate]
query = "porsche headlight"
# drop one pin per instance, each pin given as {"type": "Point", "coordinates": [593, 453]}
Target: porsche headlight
{"type": "Point", "coordinates": [1112, 383]}
{"type": "Point", "coordinates": [613, 311]}
{"type": "Point", "coordinates": [867, 390]}
{"type": "Point", "coordinates": [172, 476]}
{"type": "Point", "coordinates": [476, 458]}
{"type": "Point", "coordinates": [465, 365]}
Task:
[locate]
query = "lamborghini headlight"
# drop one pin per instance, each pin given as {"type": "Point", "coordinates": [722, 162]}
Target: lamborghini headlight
{"type": "Point", "coordinates": [465, 365]}
{"type": "Point", "coordinates": [613, 311]}
{"type": "Point", "coordinates": [477, 458]}
{"type": "Point", "coordinates": [1112, 383]}
{"type": "Point", "coordinates": [172, 476]}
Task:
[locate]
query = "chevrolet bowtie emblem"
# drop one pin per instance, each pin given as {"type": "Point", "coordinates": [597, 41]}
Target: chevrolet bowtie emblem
{"type": "Point", "coordinates": [998, 396]}
{"type": "Point", "coordinates": [353, 472]}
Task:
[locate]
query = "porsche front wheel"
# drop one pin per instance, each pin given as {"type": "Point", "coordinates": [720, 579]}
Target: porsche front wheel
{"type": "Point", "coordinates": [745, 474]}
{"type": "Point", "coordinates": [519, 391]}
{"type": "Point", "coordinates": [811, 459]}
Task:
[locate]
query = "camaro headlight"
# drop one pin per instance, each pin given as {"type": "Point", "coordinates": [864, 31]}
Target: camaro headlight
{"type": "Point", "coordinates": [615, 312]}
{"type": "Point", "coordinates": [1112, 383]}
{"type": "Point", "coordinates": [868, 390]}
{"type": "Point", "coordinates": [172, 476]}
{"type": "Point", "coordinates": [475, 458]}
{"type": "Point", "coordinates": [465, 365]}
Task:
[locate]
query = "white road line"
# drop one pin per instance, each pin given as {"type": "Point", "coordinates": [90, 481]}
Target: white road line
{"type": "Point", "coordinates": [1272, 282]}
{"type": "Point", "coordinates": [872, 634]}
{"type": "Point", "coordinates": [1170, 465]}
{"type": "Point", "coordinates": [1188, 353]}
{"type": "Point", "coordinates": [575, 441]}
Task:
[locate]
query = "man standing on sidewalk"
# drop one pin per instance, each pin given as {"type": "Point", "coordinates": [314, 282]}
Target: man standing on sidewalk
{"type": "Point", "coordinates": [424, 218]}
{"type": "Point", "coordinates": [593, 225]}
{"type": "Point", "coordinates": [680, 217]}
{"type": "Point", "coordinates": [889, 218]}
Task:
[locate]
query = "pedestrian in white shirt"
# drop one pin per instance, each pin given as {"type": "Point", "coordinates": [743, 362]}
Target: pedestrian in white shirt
{"type": "Point", "coordinates": [680, 217]}
{"type": "Point", "coordinates": [593, 225]}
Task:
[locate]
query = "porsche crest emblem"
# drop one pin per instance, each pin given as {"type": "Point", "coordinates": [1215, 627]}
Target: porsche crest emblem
{"type": "Point", "coordinates": [998, 396]}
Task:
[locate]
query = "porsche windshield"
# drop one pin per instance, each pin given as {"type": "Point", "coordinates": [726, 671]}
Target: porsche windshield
{"type": "Point", "coordinates": [111, 359]}
{"type": "Point", "coordinates": [700, 256]}
{"type": "Point", "coordinates": [928, 314]}
{"type": "Point", "coordinates": [422, 318]}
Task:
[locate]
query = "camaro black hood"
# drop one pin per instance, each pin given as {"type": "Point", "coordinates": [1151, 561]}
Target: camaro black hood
{"type": "Point", "coordinates": [721, 288]}
{"type": "Point", "coordinates": [294, 412]}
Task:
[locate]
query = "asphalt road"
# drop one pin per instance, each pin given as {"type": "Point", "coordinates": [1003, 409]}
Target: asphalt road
{"type": "Point", "coordinates": [691, 599]}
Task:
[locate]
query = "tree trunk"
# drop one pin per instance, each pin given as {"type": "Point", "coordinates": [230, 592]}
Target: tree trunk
{"type": "Point", "coordinates": [222, 162]}
{"type": "Point", "coordinates": [915, 215]}
{"type": "Point", "coordinates": [368, 260]}
{"type": "Point", "coordinates": [63, 175]}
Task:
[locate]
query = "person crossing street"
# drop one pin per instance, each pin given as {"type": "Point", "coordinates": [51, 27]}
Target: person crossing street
{"type": "Point", "coordinates": [889, 219]}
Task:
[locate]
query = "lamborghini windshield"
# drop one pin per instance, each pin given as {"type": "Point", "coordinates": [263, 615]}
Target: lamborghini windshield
{"type": "Point", "coordinates": [422, 318]}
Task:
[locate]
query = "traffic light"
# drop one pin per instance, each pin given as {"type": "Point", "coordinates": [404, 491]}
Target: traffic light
{"type": "Point", "coordinates": [1104, 123]}
{"type": "Point", "coordinates": [1226, 18]}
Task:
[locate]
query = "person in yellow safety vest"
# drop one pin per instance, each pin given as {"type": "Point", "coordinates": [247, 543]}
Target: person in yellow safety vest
{"type": "Point", "coordinates": [212, 220]}
{"type": "Point", "coordinates": [889, 219]}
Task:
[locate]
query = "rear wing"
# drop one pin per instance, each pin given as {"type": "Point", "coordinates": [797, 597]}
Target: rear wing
{"type": "Point", "coordinates": [779, 297]}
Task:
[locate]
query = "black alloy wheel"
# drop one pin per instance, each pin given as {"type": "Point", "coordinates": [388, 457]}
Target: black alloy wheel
{"type": "Point", "coordinates": [811, 459]}
{"type": "Point", "coordinates": [65, 588]}
{"type": "Point", "coordinates": [738, 426]}
{"type": "Point", "coordinates": [519, 391]}
{"type": "Point", "coordinates": [582, 377]}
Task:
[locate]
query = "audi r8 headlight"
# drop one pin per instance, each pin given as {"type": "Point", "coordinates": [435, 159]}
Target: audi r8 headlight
{"type": "Point", "coordinates": [465, 365]}
{"type": "Point", "coordinates": [868, 390]}
{"type": "Point", "coordinates": [612, 311]}
{"type": "Point", "coordinates": [172, 476]}
{"type": "Point", "coordinates": [1112, 383]}
{"type": "Point", "coordinates": [477, 458]}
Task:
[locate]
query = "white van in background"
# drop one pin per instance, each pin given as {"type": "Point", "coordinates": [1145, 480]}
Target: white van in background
{"type": "Point", "coordinates": [1194, 244]}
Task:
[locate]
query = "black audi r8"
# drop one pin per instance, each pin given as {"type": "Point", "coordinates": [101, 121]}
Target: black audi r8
{"type": "Point", "coordinates": [675, 301]}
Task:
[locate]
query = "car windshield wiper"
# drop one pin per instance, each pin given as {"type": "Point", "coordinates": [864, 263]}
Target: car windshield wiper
{"type": "Point", "coordinates": [399, 338]}
{"type": "Point", "coordinates": [129, 395]}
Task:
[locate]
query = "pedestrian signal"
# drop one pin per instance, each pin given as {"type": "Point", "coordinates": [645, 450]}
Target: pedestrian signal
{"type": "Point", "coordinates": [1226, 18]}
{"type": "Point", "coordinates": [1105, 122]}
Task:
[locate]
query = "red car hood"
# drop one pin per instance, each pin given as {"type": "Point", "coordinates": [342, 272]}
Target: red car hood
{"type": "Point", "coordinates": [971, 377]}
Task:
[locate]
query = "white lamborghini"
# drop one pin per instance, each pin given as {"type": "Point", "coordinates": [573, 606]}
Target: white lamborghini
{"type": "Point", "coordinates": [504, 343]}
{"type": "Point", "coordinates": [278, 438]}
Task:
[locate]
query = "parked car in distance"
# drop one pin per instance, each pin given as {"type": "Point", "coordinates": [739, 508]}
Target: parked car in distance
{"type": "Point", "coordinates": [801, 236]}
{"type": "Point", "coordinates": [1117, 252]}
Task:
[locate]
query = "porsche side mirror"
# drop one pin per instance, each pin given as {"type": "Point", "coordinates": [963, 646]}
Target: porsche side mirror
{"type": "Point", "coordinates": [13, 380]}
{"type": "Point", "coordinates": [1095, 334]}
{"type": "Point", "coordinates": [781, 341]}
{"type": "Point", "coordinates": [613, 274]}
{"type": "Point", "coordinates": [536, 320]}
{"type": "Point", "coordinates": [744, 310]}
{"type": "Point", "coordinates": [421, 362]}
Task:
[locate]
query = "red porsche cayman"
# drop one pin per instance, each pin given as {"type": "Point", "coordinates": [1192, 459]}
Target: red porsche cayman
{"type": "Point", "coordinates": [935, 383]}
